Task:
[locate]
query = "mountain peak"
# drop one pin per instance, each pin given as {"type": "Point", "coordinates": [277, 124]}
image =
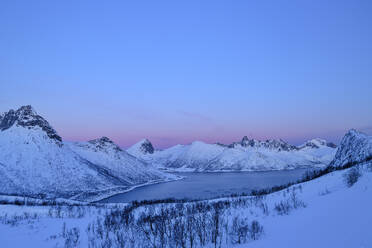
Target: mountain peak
{"type": "Point", "coordinates": [354, 132]}
{"type": "Point", "coordinates": [142, 147]}
{"type": "Point", "coordinates": [104, 142]}
{"type": "Point", "coordinates": [355, 147]}
{"type": "Point", "coordinates": [317, 143]}
{"type": "Point", "coordinates": [27, 117]}
{"type": "Point", "coordinates": [104, 139]}
{"type": "Point", "coordinates": [27, 110]}
{"type": "Point", "coordinates": [279, 145]}
{"type": "Point", "coordinates": [147, 147]}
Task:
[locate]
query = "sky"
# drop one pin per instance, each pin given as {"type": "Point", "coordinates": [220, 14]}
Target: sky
{"type": "Point", "coordinates": [179, 71]}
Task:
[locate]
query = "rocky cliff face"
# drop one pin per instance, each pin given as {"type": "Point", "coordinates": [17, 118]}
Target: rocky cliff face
{"type": "Point", "coordinates": [27, 117]}
{"type": "Point", "coordinates": [103, 144]}
{"type": "Point", "coordinates": [355, 147]}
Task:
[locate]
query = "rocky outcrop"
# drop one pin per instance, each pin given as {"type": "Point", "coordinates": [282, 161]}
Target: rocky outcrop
{"type": "Point", "coordinates": [27, 117]}
{"type": "Point", "coordinates": [355, 147]}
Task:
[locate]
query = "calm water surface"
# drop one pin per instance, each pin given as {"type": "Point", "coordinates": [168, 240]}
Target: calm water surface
{"type": "Point", "coordinates": [209, 185]}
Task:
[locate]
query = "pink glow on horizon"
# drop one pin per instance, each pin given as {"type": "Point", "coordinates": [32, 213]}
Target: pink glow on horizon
{"type": "Point", "coordinates": [163, 141]}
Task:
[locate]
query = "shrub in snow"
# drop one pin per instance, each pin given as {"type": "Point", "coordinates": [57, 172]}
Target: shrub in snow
{"type": "Point", "coordinates": [296, 202]}
{"type": "Point", "coordinates": [179, 225]}
{"type": "Point", "coordinates": [255, 230]}
{"type": "Point", "coordinates": [283, 207]}
{"type": "Point", "coordinates": [72, 237]}
{"type": "Point", "coordinates": [239, 230]}
{"type": "Point", "coordinates": [352, 176]}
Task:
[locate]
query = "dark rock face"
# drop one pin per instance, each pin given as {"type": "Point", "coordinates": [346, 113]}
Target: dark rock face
{"type": "Point", "coordinates": [28, 118]}
{"type": "Point", "coordinates": [146, 147]}
{"type": "Point", "coordinates": [317, 143]}
{"type": "Point", "coordinates": [279, 145]}
{"type": "Point", "coordinates": [104, 142]}
{"type": "Point", "coordinates": [355, 147]}
{"type": "Point", "coordinates": [332, 145]}
{"type": "Point", "coordinates": [311, 144]}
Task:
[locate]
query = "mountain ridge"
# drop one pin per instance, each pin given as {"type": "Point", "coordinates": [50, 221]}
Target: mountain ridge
{"type": "Point", "coordinates": [246, 155]}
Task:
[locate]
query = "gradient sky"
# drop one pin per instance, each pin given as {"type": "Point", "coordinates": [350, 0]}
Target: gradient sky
{"type": "Point", "coordinates": [178, 71]}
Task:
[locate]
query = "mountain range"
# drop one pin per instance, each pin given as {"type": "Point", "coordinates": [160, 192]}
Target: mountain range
{"type": "Point", "coordinates": [246, 155]}
{"type": "Point", "coordinates": [35, 161]}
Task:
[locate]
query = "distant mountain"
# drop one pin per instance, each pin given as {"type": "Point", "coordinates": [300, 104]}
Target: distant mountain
{"type": "Point", "coordinates": [355, 147]}
{"type": "Point", "coordinates": [141, 148]}
{"type": "Point", "coordinates": [317, 143]}
{"type": "Point", "coordinates": [246, 155]}
{"type": "Point", "coordinates": [35, 161]}
{"type": "Point", "coordinates": [278, 145]}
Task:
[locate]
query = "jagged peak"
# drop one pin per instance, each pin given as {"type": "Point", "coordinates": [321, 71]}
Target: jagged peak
{"type": "Point", "coordinates": [352, 135]}
{"type": "Point", "coordinates": [355, 147]}
{"type": "Point", "coordinates": [27, 110]}
{"type": "Point", "coordinates": [279, 145]}
{"type": "Point", "coordinates": [27, 117]}
{"type": "Point", "coordinates": [354, 132]}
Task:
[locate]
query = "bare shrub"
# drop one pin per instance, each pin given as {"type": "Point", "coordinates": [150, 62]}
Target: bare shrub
{"type": "Point", "coordinates": [352, 176]}
{"type": "Point", "coordinates": [239, 230]}
{"type": "Point", "coordinates": [255, 230]}
{"type": "Point", "coordinates": [283, 207]}
{"type": "Point", "coordinates": [72, 238]}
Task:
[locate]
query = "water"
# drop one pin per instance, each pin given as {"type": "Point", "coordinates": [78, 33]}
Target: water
{"type": "Point", "coordinates": [209, 185]}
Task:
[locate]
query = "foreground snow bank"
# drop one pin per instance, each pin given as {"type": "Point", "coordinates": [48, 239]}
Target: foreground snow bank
{"type": "Point", "coordinates": [336, 216]}
{"type": "Point", "coordinates": [325, 212]}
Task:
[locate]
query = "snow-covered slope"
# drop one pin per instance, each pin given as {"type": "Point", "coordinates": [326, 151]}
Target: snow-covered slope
{"type": "Point", "coordinates": [247, 155]}
{"type": "Point", "coordinates": [110, 157]}
{"type": "Point", "coordinates": [34, 161]}
{"type": "Point", "coordinates": [354, 147]}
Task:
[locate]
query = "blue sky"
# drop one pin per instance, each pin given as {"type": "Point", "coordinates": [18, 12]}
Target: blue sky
{"type": "Point", "coordinates": [178, 71]}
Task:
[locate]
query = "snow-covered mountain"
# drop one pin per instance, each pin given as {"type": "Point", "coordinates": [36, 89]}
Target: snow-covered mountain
{"type": "Point", "coordinates": [111, 158]}
{"type": "Point", "coordinates": [355, 147]}
{"type": "Point", "coordinates": [34, 160]}
{"type": "Point", "coordinates": [141, 148]}
{"type": "Point", "coordinates": [317, 143]}
{"type": "Point", "coordinates": [246, 155]}
{"type": "Point", "coordinates": [278, 145]}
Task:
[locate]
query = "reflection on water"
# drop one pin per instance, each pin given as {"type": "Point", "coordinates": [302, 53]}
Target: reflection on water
{"type": "Point", "coordinates": [209, 185]}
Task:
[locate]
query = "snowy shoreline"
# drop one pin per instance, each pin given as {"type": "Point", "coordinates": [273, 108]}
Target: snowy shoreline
{"type": "Point", "coordinates": [237, 171]}
{"type": "Point", "coordinates": [102, 197]}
